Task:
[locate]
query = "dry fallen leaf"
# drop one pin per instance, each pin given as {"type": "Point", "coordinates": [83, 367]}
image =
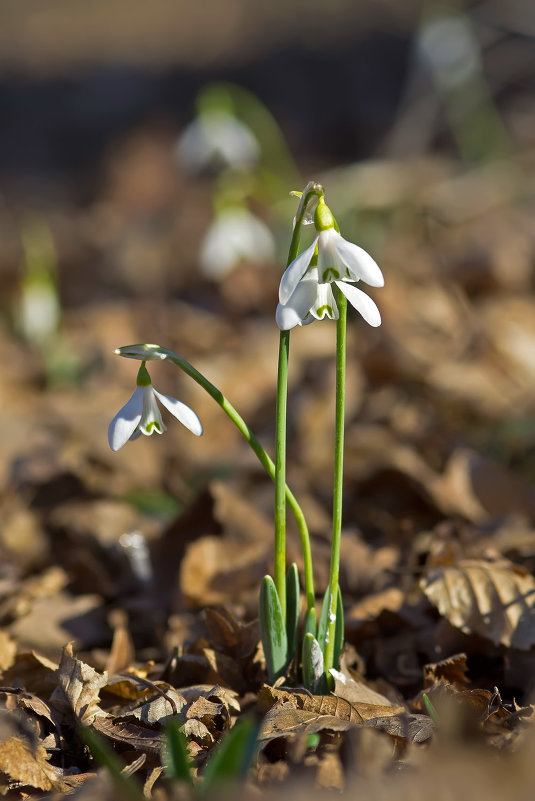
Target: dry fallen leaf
{"type": "Point", "coordinates": [23, 757]}
{"type": "Point", "coordinates": [494, 600]}
{"type": "Point", "coordinates": [451, 670]}
{"type": "Point", "coordinates": [78, 688]}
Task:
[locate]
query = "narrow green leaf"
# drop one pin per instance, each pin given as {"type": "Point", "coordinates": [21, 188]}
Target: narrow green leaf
{"type": "Point", "coordinates": [233, 756]}
{"type": "Point", "coordinates": [126, 787]}
{"type": "Point", "coordinates": [309, 625]}
{"type": "Point", "coordinates": [431, 710]}
{"type": "Point", "coordinates": [339, 631]}
{"type": "Point", "coordinates": [175, 757]}
{"type": "Point", "coordinates": [272, 630]}
{"type": "Point", "coordinates": [324, 618]}
{"type": "Point", "coordinates": [292, 609]}
{"type": "Point", "coordinates": [312, 663]}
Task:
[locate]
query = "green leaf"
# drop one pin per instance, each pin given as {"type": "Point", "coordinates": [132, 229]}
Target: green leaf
{"type": "Point", "coordinates": [175, 757]}
{"type": "Point", "coordinates": [324, 618]}
{"type": "Point", "coordinates": [431, 710]}
{"type": "Point", "coordinates": [126, 787]}
{"type": "Point", "coordinates": [272, 630]}
{"type": "Point", "coordinates": [309, 625]}
{"type": "Point", "coordinates": [292, 609]}
{"type": "Point", "coordinates": [312, 663]}
{"type": "Point", "coordinates": [339, 630]}
{"type": "Point", "coordinates": [232, 758]}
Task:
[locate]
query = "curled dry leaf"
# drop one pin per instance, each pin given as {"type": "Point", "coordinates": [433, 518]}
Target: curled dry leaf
{"type": "Point", "coordinates": [78, 687]}
{"type": "Point", "coordinates": [26, 766]}
{"type": "Point", "coordinates": [494, 600]}
{"type": "Point", "coordinates": [158, 709]}
{"type": "Point", "coordinates": [451, 670]}
{"type": "Point", "coordinates": [23, 757]}
{"type": "Point", "coordinates": [137, 738]}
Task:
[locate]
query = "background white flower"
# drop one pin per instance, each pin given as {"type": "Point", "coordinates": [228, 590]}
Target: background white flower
{"type": "Point", "coordinates": [217, 138]}
{"type": "Point", "coordinates": [235, 236]}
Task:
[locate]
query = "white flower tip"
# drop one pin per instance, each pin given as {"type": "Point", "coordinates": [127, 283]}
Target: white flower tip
{"type": "Point", "coordinates": [286, 317]}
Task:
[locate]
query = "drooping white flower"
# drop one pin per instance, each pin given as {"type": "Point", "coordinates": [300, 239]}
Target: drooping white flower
{"type": "Point", "coordinates": [305, 292]}
{"type": "Point", "coordinates": [217, 139]}
{"type": "Point", "coordinates": [235, 236]}
{"type": "Point", "coordinates": [141, 414]}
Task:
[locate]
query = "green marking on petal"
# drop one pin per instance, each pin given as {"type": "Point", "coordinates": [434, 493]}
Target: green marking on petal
{"type": "Point", "coordinates": [153, 425]}
{"type": "Point", "coordinates": [330, 274]}
{"type": "Point", "coordinates": [326, 309]}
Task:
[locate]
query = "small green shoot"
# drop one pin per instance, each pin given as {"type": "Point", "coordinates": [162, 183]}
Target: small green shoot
{"type": "Point", "coordinates": [126, 787]}
{"type": "Point", "coordinates": [431, 711]}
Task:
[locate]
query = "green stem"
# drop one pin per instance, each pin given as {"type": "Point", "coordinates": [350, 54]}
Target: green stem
{"type": "Point", "coordinates": [279, 561]}
{"type": "Point", "coordinates": [262, 456]}
{"type": "Point", "coordinates": [338, 476]}
{"type": "Point", "coordinates": [312, 189]}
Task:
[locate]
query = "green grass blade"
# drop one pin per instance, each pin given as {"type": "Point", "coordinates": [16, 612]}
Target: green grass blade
{"type": "Point", "coordinates": [175, 757]}
{"type": "Point", "coordinates": [126, 787]}
{"type": "Point", "coordinates": [232, 758]}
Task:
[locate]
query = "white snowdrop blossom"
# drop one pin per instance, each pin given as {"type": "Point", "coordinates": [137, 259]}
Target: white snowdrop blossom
{"type": "Point", "coordinates": [141, 414]}
{"type": "Point", "coordinates": [305, 292]}
{"type": "Point", "coordinates": [217, 138]}
{"type": "Point", "coordinates": [235, 236]}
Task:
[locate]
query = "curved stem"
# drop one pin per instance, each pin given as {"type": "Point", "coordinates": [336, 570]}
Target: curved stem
{"type": "Point", "coordinates": [261, 454]}
{"type": "Point", "coordinates": [338, 477]}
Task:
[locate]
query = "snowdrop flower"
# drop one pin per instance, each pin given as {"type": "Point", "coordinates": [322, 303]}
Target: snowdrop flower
{"type": "Point", "coordinates": [141, 414]}
{"type": "Point", "coordinates": [236, 235]}
{"type": "Point", "coordinates": [305, 291]}
{"type": "Point", "coordinates": [217, 138]}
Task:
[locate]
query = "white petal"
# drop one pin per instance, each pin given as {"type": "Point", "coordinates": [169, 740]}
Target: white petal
{"type": "Point", "coordinates": [182, 413]}
{"type": "Point", "coordinates": [325, 304]}
{"type": "Point", "coordinates": [361, 302]}
{"type": "Point", "coordinates": [292, 313]}
{"type": "Point", "coordinates": [330, 266]}
{"type": "Point", "coordinates": [359, 263]}
{"type": "Point", "coordinates": [294, 272]}
{"type": "Point", "coordinates": [151, 418]}
{"type": "Point", "coordinates": [126, 421]}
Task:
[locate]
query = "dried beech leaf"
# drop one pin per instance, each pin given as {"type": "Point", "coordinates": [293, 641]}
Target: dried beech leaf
{"type": "Point", "coordinates": [78, 688]}
{"type": "Point", "coordinates": [158, 709]}
{"type": "Point", "coordinates": [8, 649]}
{"type": "Point", "coordinates": [26, 765]}
{"type": "Point", "coordinates": [346, 687]}
{"type": "Point", "coordinates": [326, 705]}
{"type": "Point", "coordinates": [451, 670]}
{"type": "Point", "coordinates": [198, 731]}
{"type": "Point", "coordinates": [494, 600]}
{"type": "Point", "coordinates": [414, 728]}
{"type": "Point", "coordinates": [31, 671]}
{"type": "Point", "coordinates": [138, 738]}
{"type": "Point", "coordinates": [286, 720]}
{"type": "Point", "coordinates": [212, 693]}
{"type": "Point", "coordinates": [482, 488]}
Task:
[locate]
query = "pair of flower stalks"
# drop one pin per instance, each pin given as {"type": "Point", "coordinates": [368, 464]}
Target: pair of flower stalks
{"type": "Point", "coordinates": [317, 283]}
